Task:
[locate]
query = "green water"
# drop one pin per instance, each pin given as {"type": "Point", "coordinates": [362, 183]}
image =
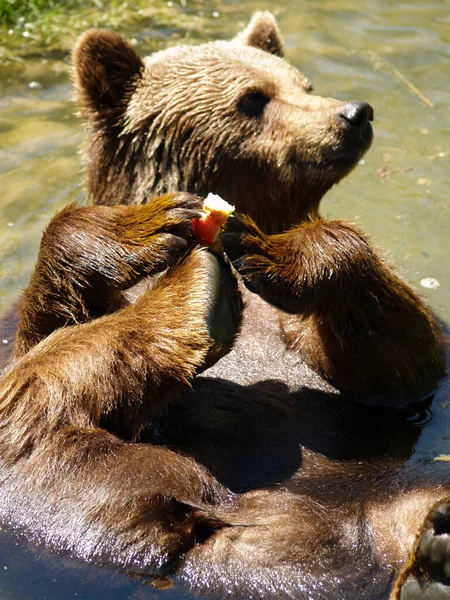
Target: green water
{"type": "Point", "coordinates": [394, 55]}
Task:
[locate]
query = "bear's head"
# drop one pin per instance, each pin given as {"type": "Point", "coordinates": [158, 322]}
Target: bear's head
{"type": "Point", "coordinates": [229, 117]}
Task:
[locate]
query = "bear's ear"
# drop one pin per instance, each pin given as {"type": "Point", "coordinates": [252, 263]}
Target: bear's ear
{"type": "Point", "coordinates": [262, 32]}
{"type": "Point", "coordinates": [105, 68]}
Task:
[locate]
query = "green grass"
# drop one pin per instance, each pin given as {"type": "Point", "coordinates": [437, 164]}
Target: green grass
{"type": "Point", "coordinates": [13, 10]}
{"type": "Point", "coordinates": [45, 27]}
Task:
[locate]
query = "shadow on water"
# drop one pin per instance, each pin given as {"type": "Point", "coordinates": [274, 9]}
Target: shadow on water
{"type": "Point", "coordinates": [399, 194]}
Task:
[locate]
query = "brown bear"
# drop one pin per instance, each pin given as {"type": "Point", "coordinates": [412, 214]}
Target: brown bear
{"type": "Point", "coordinates": [159, 416]}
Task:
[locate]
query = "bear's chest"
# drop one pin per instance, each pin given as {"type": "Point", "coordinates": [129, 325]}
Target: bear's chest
{"type": "Point", "coordinates": [260, 354]}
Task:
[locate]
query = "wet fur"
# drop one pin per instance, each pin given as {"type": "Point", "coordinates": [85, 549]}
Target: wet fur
{"type": "Point", "coordinates": [131, 434]}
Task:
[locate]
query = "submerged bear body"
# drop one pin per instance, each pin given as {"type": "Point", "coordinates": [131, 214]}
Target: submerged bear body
{"type": "Point", "coordinates": [241, 419]}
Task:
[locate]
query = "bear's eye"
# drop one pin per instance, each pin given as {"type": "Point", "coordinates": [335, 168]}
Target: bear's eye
{"type": "Point", "coordinates": [253, 104]}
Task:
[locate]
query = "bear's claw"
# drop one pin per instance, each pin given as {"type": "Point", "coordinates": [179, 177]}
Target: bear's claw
{"type": "Point", "coordinates": [427, 577]}
{"type": "Point", "coordinates": [433, 553]}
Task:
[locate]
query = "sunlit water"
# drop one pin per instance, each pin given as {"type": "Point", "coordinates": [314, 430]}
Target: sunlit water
{"type": "Point", "coordinates": [393, 55]}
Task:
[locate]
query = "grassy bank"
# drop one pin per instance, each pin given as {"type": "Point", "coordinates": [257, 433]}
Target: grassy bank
{"type": "Point", "coordinates": [49, 27]}
{"type": "Point", "coordinates": [13, 10]}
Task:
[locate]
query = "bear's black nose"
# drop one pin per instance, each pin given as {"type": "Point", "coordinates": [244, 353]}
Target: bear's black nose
{"type": "Point", "coordinates": [356, 114]}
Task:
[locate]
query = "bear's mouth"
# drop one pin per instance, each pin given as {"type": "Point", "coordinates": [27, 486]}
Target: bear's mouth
{"type": "Point", "coordinates": [344, 143]}
{"type": "Point", "coordinates": [344, 159]}
{"type": "Point", "coordinates": [355, 142]}
{"type": "Point", "coordinates": [345, 155]}
{"type": "Point", "coordinates": [355, 135]}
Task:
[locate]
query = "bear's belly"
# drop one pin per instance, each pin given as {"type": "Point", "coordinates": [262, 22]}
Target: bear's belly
{"type": "Point", "coordinates": [260, 354]}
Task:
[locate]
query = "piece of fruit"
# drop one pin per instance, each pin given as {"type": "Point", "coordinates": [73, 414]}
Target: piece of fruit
{"type": "Point", "coordinates": [216, 212]}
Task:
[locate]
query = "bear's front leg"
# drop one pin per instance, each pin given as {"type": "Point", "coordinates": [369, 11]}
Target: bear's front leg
{"type": "Point", "coordinates": [352, 318]}
{"type": "Point", "coordinates": [89, 255]}
{"type": "Point", "coordinates": [72, 410]}
{"type": "Point", "coordinates": [121, 369]}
